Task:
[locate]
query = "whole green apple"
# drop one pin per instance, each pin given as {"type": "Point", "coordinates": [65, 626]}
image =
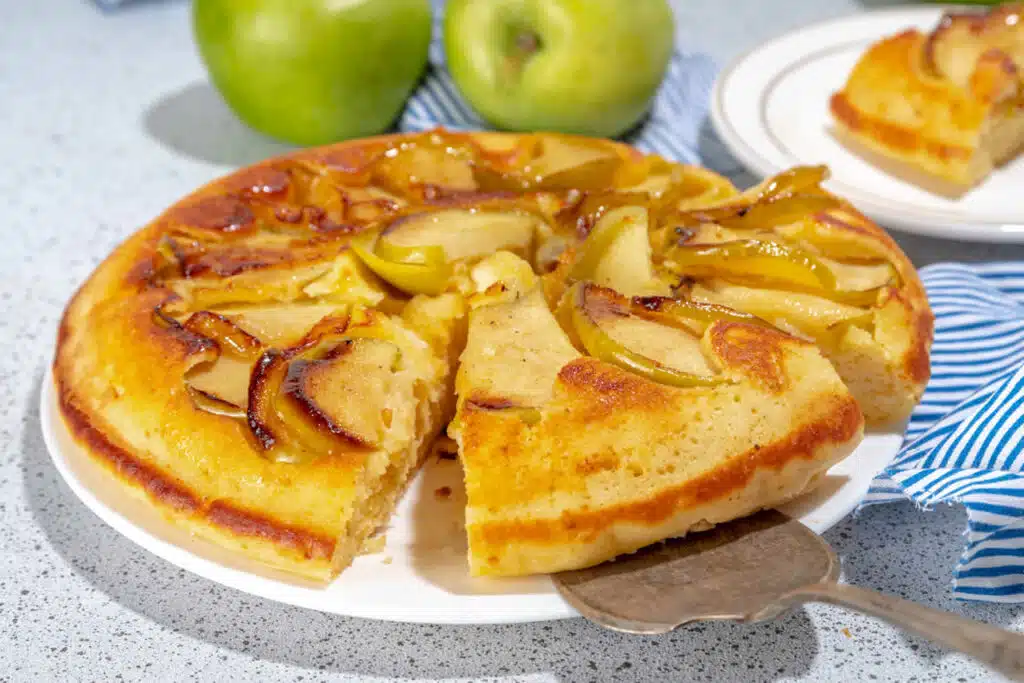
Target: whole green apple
{"type": "Point", "coordinates": [573, 66]}
{"type": "Point", "coordinates": [314, 71]}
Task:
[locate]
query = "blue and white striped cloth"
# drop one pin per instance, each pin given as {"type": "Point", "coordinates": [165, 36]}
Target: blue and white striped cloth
{"type": "Point", "coordinates": [965, 442]}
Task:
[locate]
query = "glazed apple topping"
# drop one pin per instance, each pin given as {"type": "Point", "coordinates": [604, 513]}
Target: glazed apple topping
{"type": "Point", "coordinates": [282, 325]}
{"type": "Point", "coordinates": [273, 273]}
{"type": "Point", "coordinates": [802, 314]}
{"type": "Point", "coordinates": [428, 276]}
{"type": "Point", "coordinates": [316, 399]}
{"type": "Point", "coordinates": [557, 163]}
{"type": "Point", "coordinates": [618, 254]}
{"type": "Point", "coordinates": [595, 309]}
{"type": "Point", "coordinates": [581, 216]}
{"type": "Point", "coordinates": [784, 266]}
{"type": "Point", "coordinates": [220, 385]}
{"type": "Point", "coordinates": [416, 253]}
{"type": "Point", "coordinates": [462, 234]}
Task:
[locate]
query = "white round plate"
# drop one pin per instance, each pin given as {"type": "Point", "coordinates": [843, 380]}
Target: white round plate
{"type": "Point", "coordinates": [770, 107]}
{"type": "Point", "coordinates": [421, 576]}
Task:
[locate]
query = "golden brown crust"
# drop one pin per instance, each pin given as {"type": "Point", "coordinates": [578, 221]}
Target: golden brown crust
{"type": "Point", "coordinates": [617, 461]}
{"type": "Point", "coordinates": [840, 423]}
{"type": "Point", "coordinates": [166, 490]}
{"type": "Point", "coordinates": [759, 351]}
{"type": "Point", "coordinates": [603, 391]}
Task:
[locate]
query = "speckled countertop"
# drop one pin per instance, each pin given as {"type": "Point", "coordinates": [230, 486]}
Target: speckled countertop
{"type": "Point", "coordinates": [104, 120]}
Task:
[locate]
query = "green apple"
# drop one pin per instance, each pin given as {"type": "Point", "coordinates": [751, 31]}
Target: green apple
{"type": "Point", "coordinates": [314, 71]}
{"type": "Point", "coordinates": [572, 66]}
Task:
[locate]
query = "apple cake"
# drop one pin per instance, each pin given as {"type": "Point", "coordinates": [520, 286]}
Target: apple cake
{"type": "Point", "coordinates": [624, 348]}
{"type": "Point", "coordinates": [943, 108]}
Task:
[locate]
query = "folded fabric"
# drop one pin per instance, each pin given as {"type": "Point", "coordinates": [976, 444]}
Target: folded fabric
{"type": "Point", "coordinates": [965, 442]}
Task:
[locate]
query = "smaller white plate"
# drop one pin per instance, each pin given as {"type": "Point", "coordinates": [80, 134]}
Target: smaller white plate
{"type": "Point", "coordinates": [770, 107]}
{"type": "Point", "coordinates": [421, 575]}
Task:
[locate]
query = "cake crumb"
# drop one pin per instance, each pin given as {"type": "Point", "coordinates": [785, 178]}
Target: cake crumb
{"type": "Point", "coordinates": [443, 493]}
{"type": "Point", "coordinates": [446, 448]}
{"type": "Point", "coordinates": [386, 559]}
{"type": "Point", "coordinates": [846, 632]}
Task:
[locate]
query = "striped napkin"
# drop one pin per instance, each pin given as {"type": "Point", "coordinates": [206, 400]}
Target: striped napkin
{"type": "Point", "coordinates": [965, 442]}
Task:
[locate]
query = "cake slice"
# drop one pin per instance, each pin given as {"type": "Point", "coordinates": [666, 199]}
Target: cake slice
{"type": "Point", "coordinates": [943, 108]}
{"type": "Point", "coordinates": [668, 418]}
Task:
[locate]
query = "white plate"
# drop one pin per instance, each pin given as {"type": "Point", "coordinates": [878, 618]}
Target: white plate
{"type": "Point", "coordinates": [421, 576]}
{"type": "Point", "coordinates": [770, 107]}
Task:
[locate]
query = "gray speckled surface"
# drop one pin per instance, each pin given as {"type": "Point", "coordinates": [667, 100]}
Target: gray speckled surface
{"type": "Point", "coordinates": [104, 120]}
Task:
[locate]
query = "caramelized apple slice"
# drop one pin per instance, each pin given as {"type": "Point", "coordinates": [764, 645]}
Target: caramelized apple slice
{"type": "Point", "coordinates": [594, 308]}
{"type": "Point", "coordinates": [778, 212]}
{"type": "Point", "coordinates": [796, 180]}
{"type": "Point", "coordinates": [461, 234]}
{"type": "Point", "coordinates": [780, 200]}
{"type": "Point", "coordinates": [501, 276]}
{"type": "Point", "coordinates": [319, 400]}
{"type": "Point", "coordinates": [332, 399]}
{"type": "Point", "coordinates": [759, 215]}
{"type": "Point", "coordinates": [583, 215]}
{"type": "Point", "coordinates": [869, 278]}
{"type": "Point", "coordinates": [346, 282]}
{"type": "Point", "coordinates": [428, 160]}
{"type": "Point", "coordinates": [231, 339]}
{"type": "Point", "coordinates": [271, 284]}
{"type": "Point", "coordinates": [211, 404]}
{"type": "Point", "coordinates": [272, 434]}
{"type": "Point", "coordinates": [605, 233]}
{"type": "Point", "coordinates": [772, 263]}
{"type": "Point", "coordinates": [520, 335]}
{"type": "Point", "coordinates": [675, 346]}
{"type": "Point", "coordinates": [617, 254]}
{"type": "Point", "coordinates": [754, 259]}
{"type": "Point", "coordinates": [281, 325]}
{"type": "Point", "coordinates": [792, 311]}
{"type": "Point", "coordinates": [412, 278]}
{"type": "Point", "coordinates": [688, 313]}
{"type": "Point", "coordinates": [563, 163]}
{"type": "Point", "coordinates": [840, 244]}
{"type": "Point", "coordinates": [549, 253]}
{"type": "Point", "coordinates": [221, 387]}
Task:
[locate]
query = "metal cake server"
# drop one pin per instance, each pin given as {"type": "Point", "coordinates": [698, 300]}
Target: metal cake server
{"type": "Point", "coordinates": [755, 569]}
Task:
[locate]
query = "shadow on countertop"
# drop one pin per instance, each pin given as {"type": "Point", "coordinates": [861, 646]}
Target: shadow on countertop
{"type": "Point", "coordinates": [570, 649]}
{"type": "Point", "coordinates": [196, 122]}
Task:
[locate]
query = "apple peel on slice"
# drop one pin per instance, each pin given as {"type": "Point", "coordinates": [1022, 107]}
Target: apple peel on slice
{"type": "Point", "coordinates": [595, 311]}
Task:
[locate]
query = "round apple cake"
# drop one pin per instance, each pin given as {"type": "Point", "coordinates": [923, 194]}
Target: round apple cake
{"type": "Point", "coordinates": [624, 348]}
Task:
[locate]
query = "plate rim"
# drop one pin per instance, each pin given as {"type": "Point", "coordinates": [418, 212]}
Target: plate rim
{"type": "Point", "coordinates": [931, 225]}
{"type": "Point", "coordinates": [54, 430]}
